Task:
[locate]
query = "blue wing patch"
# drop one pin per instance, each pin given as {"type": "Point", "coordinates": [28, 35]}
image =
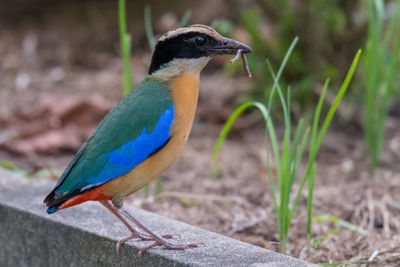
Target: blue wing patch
{"type": "Point", "coordinates": [125, 158]}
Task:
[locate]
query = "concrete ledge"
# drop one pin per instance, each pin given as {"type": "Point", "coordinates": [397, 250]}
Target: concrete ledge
{"type": "Point", "coordinates": [86, 235]}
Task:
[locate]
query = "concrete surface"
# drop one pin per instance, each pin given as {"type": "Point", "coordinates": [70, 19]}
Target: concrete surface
{"type": "Point", "coordinates": [86, 235]}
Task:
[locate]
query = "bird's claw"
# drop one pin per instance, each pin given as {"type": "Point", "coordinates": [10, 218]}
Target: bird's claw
{"type": "Point", "coordinates": [146, 237]}
{"type": "Point", "coordinates": [169, 245]}
{"type": "Point", "coordinates": [141, 236]}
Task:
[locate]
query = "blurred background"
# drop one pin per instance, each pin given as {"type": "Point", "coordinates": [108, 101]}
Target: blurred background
{"type": "Point", "coordinates": [61, 72]}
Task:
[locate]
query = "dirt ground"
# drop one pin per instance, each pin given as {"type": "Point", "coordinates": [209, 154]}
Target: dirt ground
{"type": "Point", "coordinates": [51, 100]}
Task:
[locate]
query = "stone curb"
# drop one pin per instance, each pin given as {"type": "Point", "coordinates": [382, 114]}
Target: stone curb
{"type": "Point", "coordinates": [86, 235]}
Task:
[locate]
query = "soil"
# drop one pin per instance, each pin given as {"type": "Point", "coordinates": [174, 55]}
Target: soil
{"type": "Point", "coordinates": [49, 104]}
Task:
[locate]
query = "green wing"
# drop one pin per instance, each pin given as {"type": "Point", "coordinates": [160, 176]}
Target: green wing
{"type": "Point", "coordinates": [134, 129]}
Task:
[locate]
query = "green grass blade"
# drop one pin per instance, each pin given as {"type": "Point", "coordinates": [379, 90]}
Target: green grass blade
{"type": "Point", "coordinates": [227, 126]}
{"type": "Point", "coordinates": [159, 185]}
{"type": "Point", "coordinates": [336, 101]}
{"type": "Point", "coordinates": [185, 18]}
{"type": "Point", "coordinates": [281, 68]}
{"type": "Point", "coordinates": [149, 28]}
{"type": "Point", "coordinates": [284, 163]}
{"type": "Point", "coordinates": [273, 188]}
{"type": "Point", "coordinates": [232, 119]}
{"type": "Point", "coordinates": [311, 182]}
{"type": "Point", "coordinates": [296, 139]}
{"type": "Point", "coordinates": [318, 111]}
{"type": "Point", "coordinates": [125, 40]}
{"type": "Point", "coordinates": [340, 222]}
{"type": "Point", "coordinates": [8, 165]}
{"type": "Point", "coordinates": [380, 11]}
{"type": "Point", "coordinates": [386, 87]}
{"type": "Point", "coordinates": [390, 30]}
{"type": "Point", "coordinates": [277, 87]}
{"type": "Point", "coordinates": [299, 156]}
{"type": "Point", "coordinates": [375, 54]}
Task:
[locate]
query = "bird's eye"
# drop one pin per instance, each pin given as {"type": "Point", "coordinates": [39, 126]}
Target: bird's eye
{"type": "Point", "coordinates": [200, 41]}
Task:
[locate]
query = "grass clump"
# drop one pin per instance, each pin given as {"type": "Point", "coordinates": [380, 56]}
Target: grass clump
{"type": "Point", "coordinates": [382, 59]}
{"type": "Point", "coordinates": [288, 153]}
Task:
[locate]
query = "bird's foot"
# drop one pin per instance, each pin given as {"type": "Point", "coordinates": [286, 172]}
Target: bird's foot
{"type": "Point", "coordinates": [146, 237]}
{"type": "Point", "coordinates": [169, 245]}
{"type": "Point", "coordinates": [141, 236]}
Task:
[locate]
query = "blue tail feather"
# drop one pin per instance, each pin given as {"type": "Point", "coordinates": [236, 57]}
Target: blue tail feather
{"type": "Point", "coordinates": [52, 209]}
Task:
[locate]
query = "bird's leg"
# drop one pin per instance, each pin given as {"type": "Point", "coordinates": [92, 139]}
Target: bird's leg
{"type": "Point", "coordinates": [158, 240]}
{"type": "Point", "coordinates": [134, 232]}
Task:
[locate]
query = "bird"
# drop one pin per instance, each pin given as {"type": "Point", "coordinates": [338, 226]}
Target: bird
{"type": "Point", "coordinates": [145, 132]}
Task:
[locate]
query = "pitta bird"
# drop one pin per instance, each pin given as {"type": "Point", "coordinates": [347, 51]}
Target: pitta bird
{"type": "Point", "coordinates": [145, 132]}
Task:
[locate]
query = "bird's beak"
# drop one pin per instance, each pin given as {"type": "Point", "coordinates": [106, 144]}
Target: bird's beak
{"type": "Point", "coordinates": [230, 47]}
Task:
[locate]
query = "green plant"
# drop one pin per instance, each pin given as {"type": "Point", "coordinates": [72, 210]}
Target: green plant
{"type": "Point", "coordinates": [327, 41]}
{"type": "Point", "coordinates": [382, 59]}
{"type": "Point", "coordinates": [339, 222]}
{"type": "Point", "coordinates": [289, 154]}
{"type": "Point", "coordinates": [12, 167]}
{"type": "Point", "coordinates": [125, 40]}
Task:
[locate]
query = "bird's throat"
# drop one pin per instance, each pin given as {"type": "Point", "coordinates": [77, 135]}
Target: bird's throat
{"type": "Point", "coordinates": [178, 68]}
{"type": "Point", "coordinates": [185, 91]}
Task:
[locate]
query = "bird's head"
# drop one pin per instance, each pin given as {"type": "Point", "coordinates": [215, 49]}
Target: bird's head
{"type": "Point", "coordinates": [189, 49]}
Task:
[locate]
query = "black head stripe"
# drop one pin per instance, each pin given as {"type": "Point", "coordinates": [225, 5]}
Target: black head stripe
{"type": "Point", "coordinates": [179, 46]}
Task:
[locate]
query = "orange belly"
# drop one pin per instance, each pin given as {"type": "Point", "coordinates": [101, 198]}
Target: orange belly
{"type": "Point", "coordinates": [184, 91]}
